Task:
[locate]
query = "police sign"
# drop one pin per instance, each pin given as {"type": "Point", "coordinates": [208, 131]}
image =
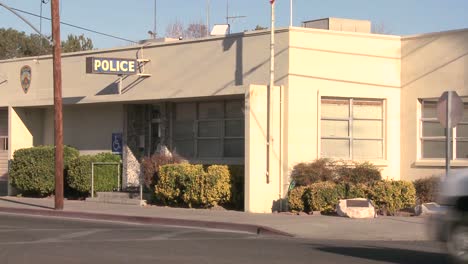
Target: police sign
{"type": "Point", "coordinates": [111, 66]}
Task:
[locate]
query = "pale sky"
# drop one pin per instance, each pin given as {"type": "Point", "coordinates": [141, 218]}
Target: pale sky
{"type": "Point", "coordinates": [131, 19]}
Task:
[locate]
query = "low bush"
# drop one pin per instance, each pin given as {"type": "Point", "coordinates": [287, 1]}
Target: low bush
{"type": "Point", "coordinates": [190, 185]}
{"type": "Point", "coordinates": [427, 189]}
{"type": "Point", "coordinates": [32, 170]}
{"type": "Point", "coordinates": [392, 196]}
{"type": "Point", "coordinates": [105, 176]}
{"type": "Point", "coordinates": [358, 173]}
{"type": "Point", "coordinates": [388, 196]}
{"type": "Point", "coordinates": [323, 196]}
{"type": "Point", "coordinates": [237, 186]}
{"type": "Point", "coordinates": [308, 173]}
{"type": "Point", "coordinates": [150, 167]}
{"type": "Point", "coordinates": [296, 199]}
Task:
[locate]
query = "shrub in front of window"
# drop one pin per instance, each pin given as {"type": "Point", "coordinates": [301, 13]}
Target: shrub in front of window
{"type": "Point", "coordinates": [151, 165]}
{"type": "Point", "coordinates": [32, 170]}
{"type": "Point", "coordinates": [190, 185]}
{"type": "Point", "coordinates": [427, 189]}
{"type": "Point", "coordinates": [359, 190]}
{"type": "Point", "coordinates": [308, 173]}
{"type": "Point", "coordinates": [105, 176]}
{"type": "Point", "coordinates": [296, 199]}
{"type": "Point", "coordinates": [358, 173]}
{"type": "Point", "coordinates": [237, 186]}
{"type": "Point", "coordinates": [323, 196]}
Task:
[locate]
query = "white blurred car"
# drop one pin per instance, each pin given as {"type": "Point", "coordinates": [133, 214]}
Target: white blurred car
{"type": "Point", "coordinates": [452, 226]}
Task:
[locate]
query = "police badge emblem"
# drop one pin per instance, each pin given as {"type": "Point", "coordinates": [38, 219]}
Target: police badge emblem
{"type": "Point", "coordinates": [25, 78]}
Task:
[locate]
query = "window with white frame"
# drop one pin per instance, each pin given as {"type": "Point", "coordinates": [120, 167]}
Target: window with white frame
{"type": "Point", "coordinates": [432, 134]}
{"type": "Point", "coordinates": [352, 128]}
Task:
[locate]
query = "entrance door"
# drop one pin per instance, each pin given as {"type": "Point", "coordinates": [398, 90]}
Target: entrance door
{"type": "Point", "coordinates": [3, 152]}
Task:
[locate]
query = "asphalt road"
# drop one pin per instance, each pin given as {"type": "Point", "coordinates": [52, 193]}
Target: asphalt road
{"type": "Point", "coordinates": [25, 239]}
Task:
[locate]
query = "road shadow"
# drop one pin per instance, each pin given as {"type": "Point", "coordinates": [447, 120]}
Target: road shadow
{"type": "Point", "coordinates": [23, 203]}
{"type": "Point", "coordinates": [388, 255]}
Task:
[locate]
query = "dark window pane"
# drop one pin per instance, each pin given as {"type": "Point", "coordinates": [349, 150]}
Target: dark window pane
{"type": "Point", "coordinates": [433, 129]}
{"type": "Point", "coordinates": [185, 111]}
{"type": "Point", "coordinates": [462, 150]}
{"type": "Point", "coordinates": [429, 109]}
{"type": "Point", "coordinates": [210, 110]}
{"type": "Point", "coordinates": [184, 148]}
{"type": "Point", "coordinates": [234, 109]}
{"type": "Point", "coordinates": [233, 148]}
{"type": "Point", "coordinates": [234, 128]}
{"type": "Point", "coordinates": [183, 129]}
{"type": "Point", "coordinates": [209, 129]}
{"type": "Point", "coordinates": [209, 148]}
{"type": "Point", "coordinates": [462, 130]}
{"type": "Point", "coordinates": [433, 149]}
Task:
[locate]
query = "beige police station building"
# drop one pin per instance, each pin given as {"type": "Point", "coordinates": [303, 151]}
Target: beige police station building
{"type": "Point", "coordinates": [340, 92]}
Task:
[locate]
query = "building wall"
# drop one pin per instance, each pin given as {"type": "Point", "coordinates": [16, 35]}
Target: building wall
{"type": "Point", "coordinates": [26, 128]}
{"type": "Point", "coordinates": [431, 64]}
{"type": "Point", "coordinates": [88, 128]}
{"type": "Point", "coordinates": [343, 65]}
{"type": "Point", "coordinates": [181, 69]}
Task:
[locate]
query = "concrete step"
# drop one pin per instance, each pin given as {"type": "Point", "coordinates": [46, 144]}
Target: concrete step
{"type": "Point", "coordinates": [117, 198]}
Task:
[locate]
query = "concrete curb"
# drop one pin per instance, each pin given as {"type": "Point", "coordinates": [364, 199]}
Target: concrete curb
{"type": "Point", "coordinates": [254, 229]}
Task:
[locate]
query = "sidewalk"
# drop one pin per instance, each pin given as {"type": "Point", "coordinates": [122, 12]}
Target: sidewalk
{"type": "Point", "coordinates": [310, 227]}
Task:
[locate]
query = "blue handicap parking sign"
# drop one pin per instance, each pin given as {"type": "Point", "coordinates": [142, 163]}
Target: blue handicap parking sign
{"type": "Point", "coordinates": [117, 143]}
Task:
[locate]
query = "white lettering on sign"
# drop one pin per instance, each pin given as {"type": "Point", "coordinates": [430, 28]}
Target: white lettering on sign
{"type": "Point", "coordinates": [111, 66]}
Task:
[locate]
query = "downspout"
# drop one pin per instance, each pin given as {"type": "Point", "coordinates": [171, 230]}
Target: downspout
{"type": "Point", "coordinates": [270, 87]}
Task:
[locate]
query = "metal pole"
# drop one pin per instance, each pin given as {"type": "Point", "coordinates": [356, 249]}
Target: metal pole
{"type": "Point", "coordinates": [270, 87]}
{"type": "Point", "coordinates": [58, 122]}
{"type": "Point", "coordinates": [448, 138]}
{"type": "Point", "coordinates": [154, 29]}
{"type": "Point", "coordinates": [92, 179]}
{"type": "Point", "coordinates": [208, 8]}
{"type": "Point", "coordinates": [118, 177]}
{"type": "Point", "coordinates": [291, 13]}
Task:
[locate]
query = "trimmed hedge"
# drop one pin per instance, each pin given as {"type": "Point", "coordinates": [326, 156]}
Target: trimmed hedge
{"type": "Point", "coordinates": [388, 196]}
{"type": "Point", "coordinates": [32, 170]}
{"type": "Point", "coordinates": [427, 189]}
{"type": "Point", "coordinates": [105, 176]}
{"type": "Point", "coordinates": [151, 165]}
{"type": "Point", "coordinates": [237, 186]}
{"type": "Point", "coordinates": [190, 185]}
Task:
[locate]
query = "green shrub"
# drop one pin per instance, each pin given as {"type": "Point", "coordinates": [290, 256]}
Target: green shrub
{"type": "Point", "coordinates": [105, 176]}
{"type": "Point", "coordinates": [392, 196]}
{"type": "Point", "coordinates": [307, 173]}
{"type": "Point", "coordinates": [427, 189]}
{"type": "Point", "coordinates": [323, 196]}
{"type": "Point", "coordinates": [359, 190]}
{"type": "Point", "coordinates": [296, 199]}
{"type": "Point", "coordinates": [217, 187]}
{"type": "Point", "coordinates": [189, 185]}
{"type": "Point", "coordinates": [358, 173]}
{"type": "Point", "coordinates": [237, 186]}
{"type": "Point", "coordinates": [32, 170]}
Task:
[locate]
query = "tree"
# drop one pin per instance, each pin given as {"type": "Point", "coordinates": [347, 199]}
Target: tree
{"type": "Point", "coordinates": [196, 30]}
{"type": "Point", "coordinates": [193, 31]}
{"type": "Point", "coordinates": [175, 30]}
{"type": "Point", "coordinates": [16, 44]}
{"type": "Point", "coordinates": [258, 27]}
{"type": "Point", "coordinates": [77, 43]}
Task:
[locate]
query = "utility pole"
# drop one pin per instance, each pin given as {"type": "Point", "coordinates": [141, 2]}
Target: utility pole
{"type": "Point", "coordinates": [58, 120]}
